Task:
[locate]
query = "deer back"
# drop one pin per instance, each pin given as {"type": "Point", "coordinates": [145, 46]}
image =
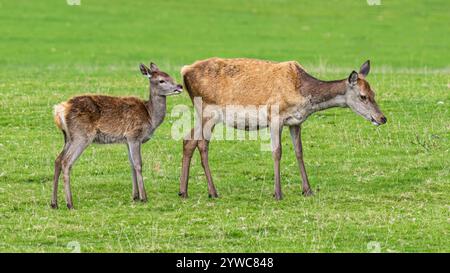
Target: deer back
{"type": "Point", "coordinates": [243, 82]}
{"type": "Point", "coordinates": [107, 119]}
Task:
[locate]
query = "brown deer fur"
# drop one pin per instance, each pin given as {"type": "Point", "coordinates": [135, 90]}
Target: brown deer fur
{"type": "Point", "coordinates": [246, 81]}
{"type": "Point", "coordinates": [249, 82]}
{"type": "Point", "coordinates": [104, 119]}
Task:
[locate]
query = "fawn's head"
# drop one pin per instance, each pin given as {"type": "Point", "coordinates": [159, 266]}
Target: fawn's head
{"type": "Point", "coordinates": [161, 83]}
{"type": "Point", "coordinates": [361, 98]}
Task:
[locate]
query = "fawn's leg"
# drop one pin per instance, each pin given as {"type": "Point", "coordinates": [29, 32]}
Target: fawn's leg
{"type": "Point", "coordinates": [134, 177]}
{"type": "Point", "coordinates": [189, 145]}
{"type": "Point", "coordinates": [135, 150]}
{"type": "Point", "coordinates": [275, 134]}
{"type": "Point", "coordinates": [58, 167]}
{"type": "Point", "coordinates": [73, 152]}
{"type": "Point", "coordinates": [296, 135]}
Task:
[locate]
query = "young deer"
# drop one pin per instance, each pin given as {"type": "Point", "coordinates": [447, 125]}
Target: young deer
{"type": "Point", "coordinates": [103, 119]}
{"type": "Point", "coordinates": [284, 86]}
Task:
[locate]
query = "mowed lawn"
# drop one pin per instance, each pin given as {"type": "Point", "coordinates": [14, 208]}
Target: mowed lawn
{"type": "Point", "coordinates": [381, 188]}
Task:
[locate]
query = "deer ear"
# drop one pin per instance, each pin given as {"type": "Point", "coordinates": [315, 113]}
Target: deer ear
{"type": "Point", "coordinates": [365, 68]}
{"type": "Point", "coordinates": [353, 77]}
{"type": "Point", "coordinates": [153, 67]}
{"type": "Point", "coordinates": [144, 70]}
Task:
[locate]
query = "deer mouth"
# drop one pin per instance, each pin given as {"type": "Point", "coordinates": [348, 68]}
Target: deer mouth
{"type": "Point", "coordinates": [174, 92]}
{"type": "Point", "coordinates": [374, 122]}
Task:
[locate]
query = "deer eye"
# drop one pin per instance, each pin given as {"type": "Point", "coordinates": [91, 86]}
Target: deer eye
{"type": "Point", "coordinates": [162, 81]}
{"type": "Point", "coordinates": [363, 97]}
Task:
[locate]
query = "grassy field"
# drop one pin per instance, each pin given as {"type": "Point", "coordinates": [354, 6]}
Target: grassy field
{"type": "Point", "coordinates": [381, 189]}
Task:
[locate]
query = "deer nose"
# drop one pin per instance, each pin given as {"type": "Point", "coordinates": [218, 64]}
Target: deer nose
{"type": "Point", "coordinates": [383, 120]}
{"type": "Point", "coordinates": [179, 86]}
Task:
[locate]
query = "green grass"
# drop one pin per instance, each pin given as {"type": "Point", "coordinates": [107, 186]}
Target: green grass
{"type": "Point", "coordinates": [388, 185]}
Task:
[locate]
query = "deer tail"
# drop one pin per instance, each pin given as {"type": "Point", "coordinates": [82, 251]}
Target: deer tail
{"type": "Point", "coordinates": [59, 114]}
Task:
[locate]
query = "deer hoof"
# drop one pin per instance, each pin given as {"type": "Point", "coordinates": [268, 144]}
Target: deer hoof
{"type": "Point", "coordinates": [135, 198]}
{"type": "Point", "coordinates": [308, 192]}
{"type": "Point", "coordinates": [70, 206]}
{"type": "Point", "coordinates": [54, 205]}
{"type": "Point", "coordinates": [183, 194]}
{"type": "Point", "coordinates": [144, 200]}
{"type": "Point", "coordinates": [214, 195]}
{"type": "Point", "coordinates": [278, 196]}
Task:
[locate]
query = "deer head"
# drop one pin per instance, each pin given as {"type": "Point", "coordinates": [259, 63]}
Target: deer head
{"type": "Point", "coordinates": [161, 83]}
{"type": "Point", "coordinates": [361, 98]}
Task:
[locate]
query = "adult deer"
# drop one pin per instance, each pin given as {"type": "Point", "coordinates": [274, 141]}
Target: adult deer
{"type": "Point", "coordinates": [284, 86]}
{"type": "Point", "coordinates": [103, 119]}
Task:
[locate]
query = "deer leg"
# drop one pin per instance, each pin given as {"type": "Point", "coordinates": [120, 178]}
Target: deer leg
{"type": "Point", "coordinates": [189, 145]}
{"type": "Point", "coordinates": [135, 150]}
{"type": "Point", "coordinates": [275, 133]}
{"type": "Point", "coordinates": [58, 167]}
{"type": "Point", "coordinates": [203, 146]}
{"type": "Point", "coordinates": [296, 136]}
{"type": "Point", "coordinates": [73, 152]}
{"type": "Point", "coordinates": [134, 177]}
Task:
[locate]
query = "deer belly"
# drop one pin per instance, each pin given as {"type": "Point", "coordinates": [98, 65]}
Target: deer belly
{"type": "Point", "coordinates": [295, 118]}
{"type": "Point", "coordinates": [290, 121]}
{"type": "Point", "coordinates": [104, 138]}
{"type": "Point", "coordinates": [249, 120]}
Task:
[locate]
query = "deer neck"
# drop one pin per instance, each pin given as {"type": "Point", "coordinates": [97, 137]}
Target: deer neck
{"type": "Point", "coordinates": [156, 106]}
{"type": "Point", "coordinates": [322, 94]}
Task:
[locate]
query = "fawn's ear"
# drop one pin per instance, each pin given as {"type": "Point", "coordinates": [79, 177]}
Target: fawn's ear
{"type": "Point", "coordinates": [365, 68]}
{"type": "Point", "coordinates": [353, 77]}
{"type": "Point", "coordinates": [153, 67]}
{"type": "Point", "coordinates": [145, 70]}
